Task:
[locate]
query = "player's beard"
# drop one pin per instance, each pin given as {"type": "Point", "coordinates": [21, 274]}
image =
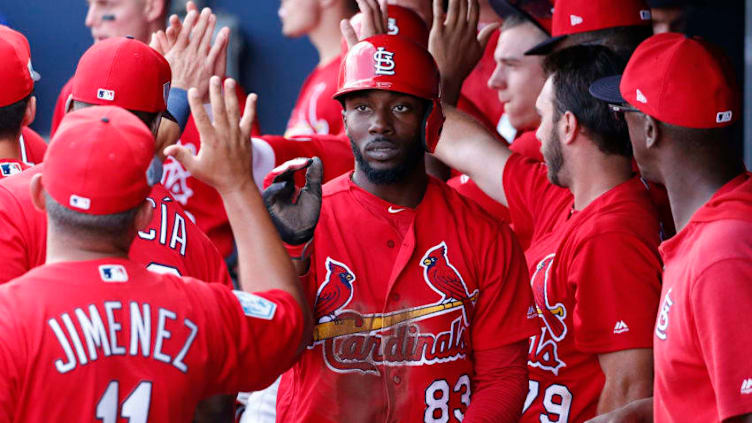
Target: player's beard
{"type": "Point", "coordinates": [394, 174]}
{"type": "Point", "coordinates": [554, 157]}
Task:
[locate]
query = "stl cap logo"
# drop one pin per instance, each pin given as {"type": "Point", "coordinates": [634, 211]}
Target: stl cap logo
{"type": "Point", "coordinates": [645, 15]}
{"type": "Point", "coordinates": [723, 117]}
{"type": "Point", "coordinates": [392, 28]}
{"type": "Point", "coordinates": [746, 387]}
{"type": "Point", "coordinates": [384, 62]}
{"type": "Point", "coordinates": [641, 97]}
{"type": "Point", "coordinates": [103, 94]}
{"type": "Point", "coordinates": [575, 20]}
{"type": "Point", "coordinates": [79, 202]}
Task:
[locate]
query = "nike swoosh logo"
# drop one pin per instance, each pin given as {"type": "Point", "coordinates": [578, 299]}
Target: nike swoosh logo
{"type": "Point", "coordinates": [393, 210]}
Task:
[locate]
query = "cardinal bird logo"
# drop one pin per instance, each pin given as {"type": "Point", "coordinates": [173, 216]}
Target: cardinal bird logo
{"type": "Point", "coordinates": [335, 293]}
{"type": "Point", "coordinates": [444, 278]}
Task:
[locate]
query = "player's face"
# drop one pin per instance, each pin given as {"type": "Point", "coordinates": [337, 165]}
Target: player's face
{"type": "Point", "coordinates": [548, 134]}
{"type": "Point", "coordinates": [517, 78]}
{"type": "Point", "coordinates": [668, 19]}
{"type": "Point", "coordinates": [298, 17]}
{"type": "Point", "coordinates": [384, 129]}
{"type": "Point", "coordinates": [117, 18]}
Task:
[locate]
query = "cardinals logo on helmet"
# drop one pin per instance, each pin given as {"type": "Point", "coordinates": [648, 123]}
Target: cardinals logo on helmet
{"type": "Point", "coordinates": [384, 62]}
{"type": "Point", "coordinates": [444, 278]}
{"type": "Point", "coordinates": [335, 293]}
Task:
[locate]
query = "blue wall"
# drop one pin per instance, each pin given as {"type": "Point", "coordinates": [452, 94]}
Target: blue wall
{"type": "Point", "coordinates": [271, 65]}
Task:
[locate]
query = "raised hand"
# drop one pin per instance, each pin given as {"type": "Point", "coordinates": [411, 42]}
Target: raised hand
{"type": "Point", "coordinates": [456, 44]}
{"type": "Point", "coordinates": [295, 214]}
{"type": "Point", "coordinates": [225, 160]}
{"type": "Point", "coordinates": [374, 21]}
{"type": "Point", "coordinates": [188, 48]}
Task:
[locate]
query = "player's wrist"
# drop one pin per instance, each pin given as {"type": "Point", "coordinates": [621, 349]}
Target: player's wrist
{"type": "Point", "coordinates": [177, 105]}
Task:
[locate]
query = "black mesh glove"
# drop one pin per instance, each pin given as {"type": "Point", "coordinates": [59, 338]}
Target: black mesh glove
{"type": "Point", "coordinates": [295, 214]}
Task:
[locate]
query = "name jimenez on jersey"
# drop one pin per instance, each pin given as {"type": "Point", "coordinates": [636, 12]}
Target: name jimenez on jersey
{"type": "Point", "coordinates": [107, 335]}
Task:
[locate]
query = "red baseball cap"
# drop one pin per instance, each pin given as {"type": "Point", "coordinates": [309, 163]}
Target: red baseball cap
{"type": "Point", "coordinates": [123, 72]}
{"type": "Point", "coordinates": [678, 80]}
{"type": "Point", "coordinates": [539, 12]}
{"type": "Point", "coordinates": [578, 16]}
{"type": "Point", "coordinates": [16, 74]}
{"type": "Point", "coordinates": [97, 161]}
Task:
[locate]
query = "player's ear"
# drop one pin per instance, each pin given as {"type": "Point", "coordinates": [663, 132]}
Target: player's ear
{"type": "Point", "coordinates": [652, 132]}
{"type": "Point", "coordinates": [31, 111]}
{"type": "Point", "coordinates": [143, 216]}
{"type": "Point", "coordinates": [568, 127]}
{"type": "Point", "coordinates": [155, 9]}
{"type": "Point", "coordinates": [37, 192]}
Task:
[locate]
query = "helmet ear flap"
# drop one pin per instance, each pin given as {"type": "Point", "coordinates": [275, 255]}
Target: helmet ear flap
{"type": "Point", "coordinates": [434, 121]}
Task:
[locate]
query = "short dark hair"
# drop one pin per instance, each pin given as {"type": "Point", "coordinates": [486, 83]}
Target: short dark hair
{"type": "Point", "coordinates": [11, 117]}
{"type": "Point", "coordinates": [622, 40]}
{"type": "Point", "coordinates": [573, 69]}
{"type": "Point", "coordinates": [89, 225]}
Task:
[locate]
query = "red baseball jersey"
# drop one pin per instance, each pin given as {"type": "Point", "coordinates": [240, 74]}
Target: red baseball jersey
{"type": "Point", "coordinates": [170, 244]}
{"type": "Point", "coordinates": [315, 111]}
{"type": "Point", "coordinates": [397, 319]}
{"type": "Point", "coordinates": [595, 275]}
{"type": "Point", "coordinates": [475, 88]}
{"type": "Point", "coordinates": [125, 344]}
{"type": "Point", "coordinates": [32, 146]}
{"type": "Point", "coordinates": [702, 367]}
{"type": "Point", "coordinates": [59, 111]}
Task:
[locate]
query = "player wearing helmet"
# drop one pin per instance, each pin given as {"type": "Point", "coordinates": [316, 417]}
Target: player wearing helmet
{"type": "Point", "coordinates": [414, 325]}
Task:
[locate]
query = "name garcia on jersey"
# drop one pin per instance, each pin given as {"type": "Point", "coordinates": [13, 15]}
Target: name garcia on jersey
{"type": "Point", "coordinates": [94, 333]}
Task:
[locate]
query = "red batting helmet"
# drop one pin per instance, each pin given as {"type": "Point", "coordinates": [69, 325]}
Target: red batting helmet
{"type": "Point", "coordinates": [400, 21]}
{"type": "Point", "coordinates": [394, 63]}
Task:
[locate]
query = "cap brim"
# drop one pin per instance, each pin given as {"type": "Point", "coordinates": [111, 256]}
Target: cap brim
{"type": "Point", "coordinates": [607, 89]}
{"type": "Point", "coordinates": [545, 47]}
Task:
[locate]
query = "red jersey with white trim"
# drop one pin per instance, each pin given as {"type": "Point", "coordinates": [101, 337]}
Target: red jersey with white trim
{"type": "Point", "coordinates": [315, 111]}
{"type": "Point", "coordinates": [702, 367]}
{"type": "Point", "coordinates": [475, 88]}
{"type": "Point", "coordinates": [59, 111]}
{"type": "Point", "coordinates": [170, 244]}
{"type": "Point", "coordinates": [595, 275]}
{"type": "Point", "coordinates": [397, 319]}
{"type": "Point", "coordinates": [32, 146]}
{"type": "Point", "coordinates": [124, 343]}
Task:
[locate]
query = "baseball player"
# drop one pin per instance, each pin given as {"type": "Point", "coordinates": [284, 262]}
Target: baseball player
{"type": "Point", "coordinates": [593, 258]}
{"type": "Point", "coordinates": [315, 112]}
{"type": "Point", "coordinates": [415, 326]}
{"type": "Point", "coordinates": [123, 342]}
{"type": "Point", "coordinates": [20, 146]}
{"type": "Point", "coordinates": [700, 340]}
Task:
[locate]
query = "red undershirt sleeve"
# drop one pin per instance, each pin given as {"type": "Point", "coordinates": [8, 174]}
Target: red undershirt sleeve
{"type": "Point", "coordinates": [499, 384]}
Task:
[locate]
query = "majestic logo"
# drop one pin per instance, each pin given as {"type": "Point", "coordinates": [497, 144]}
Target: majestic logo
{"type": "Point", "coordinates": [103, 94]}
{"type": "Point", "coordinates": [575, 20]}
{"type": "Point", "coordinates": [384, 62]}
{"type": "Point", "coordinates": [544, 347]}
{"type": "Point", "coordinates": [621, 327]}
{"type": "Point", "coordinates": [175, 177]}
{"type": "Point", "coordinates": [661, 326]}
{"type": "Point", "coordinates": [391, 26]}
{"type": "Point", "coordinates": [361, 343]}
{"type": "Point", "coordinates": [113, 273]}
{"type": "Point", "coordinates": [746, 387]}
